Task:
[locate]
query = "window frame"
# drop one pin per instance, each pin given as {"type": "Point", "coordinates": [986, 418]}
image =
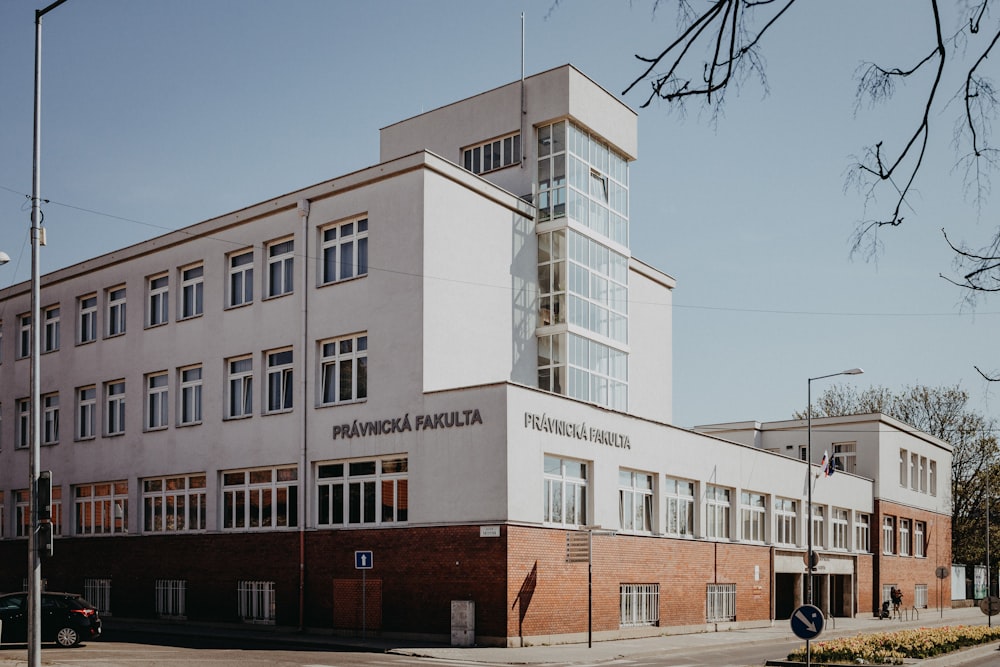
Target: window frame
{"type": "Point", "coordinates": [565, 494]}
{"type": "Point", "coordinates": [280, 267]}
{"type": "Point", "coordinates": [334, 242]}
{"type": "Point", "coordinates": [192, 291]}
{"type": "Point", "coordinates": [51, 317]}
{"type": "Point", "coordinates": [111, 498]}
{"type": "Point", "coordinates": [636, 501]}
{"type": "Point", "coordinates": [888, 535]}
{"type": "Point", "coordinates": [786, 521]}
{"type": "Point", "coordinates": [718, 512]}
{"type": "Point", "coordinates": [244, 379]}
{"type": "Point", "coordinates": [680, 519]}
{"type": "Point", "coordinates": [191, 381]}
{"type": "Point", "coordinates": [163, 498]}
{"type": "Point", "coordinates": [157, 413]}
{"type": "Point", "coordinates": [279, 375]}
{"type": "Point", "coordinates": [87, 319]}
{"type": "Point", "coordinates": [24, 336]}
{"type": "Point", "coordinates": [282, 483]}
{"type": "Point", "coordinates": [157, 300]}
{"type": "Point", "coordinates": [332, 365]}
{"type": "Point", "coordinates": [240, 275]}
{"type": "Point", "coordinates": [373, 491]}
{"type": "Point", "coordinates": [115, 301]}
{"type": "Point", "coordinates": [50, 419]}
{"type": "Point", "coordinates": [114, 408]}
{"type": "Point", "coordinates": [753, 517]}
{"type": "Point", "coordinates": [86, 413]}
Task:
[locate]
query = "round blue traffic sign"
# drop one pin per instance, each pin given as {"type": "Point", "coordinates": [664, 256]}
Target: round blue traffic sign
{"type": "Point", "coordinates": [807, 622]}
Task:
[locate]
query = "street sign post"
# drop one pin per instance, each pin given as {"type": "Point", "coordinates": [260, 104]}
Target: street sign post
{"type": "Point", "coordinates": [364, 561]}
{"type": "Point", "coordinates": [807, 623]}
{"type": "Point", "coordinates": [990, 605]}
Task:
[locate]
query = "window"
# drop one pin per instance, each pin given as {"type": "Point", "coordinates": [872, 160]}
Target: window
{"type": "Point", "coordinates": [24, 339]}
{"type": "Point", "coordinates": [190, 395]}
{"type": "Point", "coordinates": [171, 598]}
{"type": "Point", "coordinates": [174, 504]}
{"type": "Point", "coordinates": [932, 482]}
{"type": "Point", "coordinates": [640, 605]}
{"type": "Point", "coordinates": [819, 526]}
{"type": "Point", "coordinates": [565, 492]}
{"type": "Point", "coordinates": [753, 516]}
{"type": "Point", "coordinates": [888, 535]}
{"type": "Point", "coordinates": [50, 419]}
{"type": "Point", "coordinates": [98, 593]}
{"type": "Point", "coordinates": [240, 388]}
{"type": "Point", "coordinates": [920, 596]}
{"type": "Point", "coordinates": [86, 411]}
{"type": "Point", "coordinates": [256, 601]}
{"type": "Point", "coordinates": [159, 301]}
{"type": "Point", "coordinates": [23, 423]}
{"type": "Point", "coordinates": [345, 251]}
{"type": "Point", "coordinates": [904, 537]}
{"type": "Point", "coordinates": [721, 603]}
{"type": "Point", "coordinates": [786, 518]}
{"type": "Point", "coordinates": [839, 524]}
{"type": "Point", "coordinates": [241, 278]}
{"type": "Point", "coordinates": [919, 537]}
{"type": "Point", "coordinates": [492, 155]}
{"type": "Point", "coordinates": [101, 509]}
{"type": "Point", "coordinates": [680, 507]}
{"type": "Point", "coordinates": [862, 533]}
{"type": "Point", "coordinates": [260, 499]}
{"type": "Point", "coordinates": [280, 265]}
{"type": "Point", "coordinates": [192, 291]}
{"type": "Point", "coordinates": [914, 471]}
{"type": "Point", "coordinates": [716, 512]}
{"type": "Point", "coordinates": [923, 474]}
{"type": "Point", "coordinates": [552, 171]}
{"type": "Point", "coordinates": [344, 369]}
{"type": "Point", "coordinates": [87, 306]}
{"type": "Point", "coordinates": [635, 501]}
{"type": "Point", "coordinates": [114, 407]}
{"type": "Point", "coordinates": [22, 511]}
{"type": "Point", "coordinates": [373, 491]}
{"type": "Point", "coordinates": [157, 403]}
{"type": "Point", "coordinates": [902, 467]}
{"type": "Point", "coordinates": [845, 456]}
{"type": "Point", "coordinates": [279, 381]}
{"type": "Point", "coordinates": [116, 311]}
{"type": "Point", "coordinates": [50, 341]}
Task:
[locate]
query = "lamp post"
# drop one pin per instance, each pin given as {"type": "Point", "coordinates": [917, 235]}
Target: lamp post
{"type": "Point", "coordinates": [34, 559]}
{"type": "Point", "coordinates": [809, 482]}
{"type": "Point", "coordinates": [4, 258]}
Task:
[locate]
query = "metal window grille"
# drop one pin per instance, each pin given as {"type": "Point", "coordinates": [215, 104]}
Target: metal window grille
{"type": "Point", "coordinates": [170, 597]}
{"type": "Point", "coordinates": [721, 603]}
{"type": "Point", "coordinates": [98, 593]}
{"type": "Point", "coordinates": [640, 605]}
{"type": "Point", "coordinates": [920, 596]}
{"type": "Point", "coordinates": [256, 601]}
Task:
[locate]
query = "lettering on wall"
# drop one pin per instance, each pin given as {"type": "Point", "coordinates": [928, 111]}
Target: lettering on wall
{"type": "Point", "coordinates": [579, 431]}
{"type": "Point", "coordinates": [454, 419]}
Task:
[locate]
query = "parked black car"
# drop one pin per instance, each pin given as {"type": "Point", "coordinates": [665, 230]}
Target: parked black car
{"type": "Point", "coordinates": [67, 619]}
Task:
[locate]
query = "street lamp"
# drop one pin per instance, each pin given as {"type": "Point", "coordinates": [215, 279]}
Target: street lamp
{"type": "Point", "coordinates": [810, 564]}
{"type": "Point", "coordinates": [4, 258]}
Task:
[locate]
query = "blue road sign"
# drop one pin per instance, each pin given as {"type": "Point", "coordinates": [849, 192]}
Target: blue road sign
{"type": "Point", "coordinates": [807, 622]}
{"type": "Point", "coordinates": [363, 560]}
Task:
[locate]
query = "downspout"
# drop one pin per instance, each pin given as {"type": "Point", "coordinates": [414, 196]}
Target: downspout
{"type": "Point", "coordinates": [303, 210]}
{"type": "Point", "coordinates": [524, 102]}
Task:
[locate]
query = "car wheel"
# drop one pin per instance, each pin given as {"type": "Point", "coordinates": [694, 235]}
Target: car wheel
{"type": "Point", "coordinates": [67, 637]}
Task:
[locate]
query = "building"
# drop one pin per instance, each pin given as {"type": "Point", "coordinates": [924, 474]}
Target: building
{"type": "Point", "coordinates": [438, 382]}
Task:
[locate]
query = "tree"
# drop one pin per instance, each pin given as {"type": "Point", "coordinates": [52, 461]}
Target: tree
{"type": "Point", "coordinates": [942, 412]}
{"type": "Point", "coordinates": [719, 47]}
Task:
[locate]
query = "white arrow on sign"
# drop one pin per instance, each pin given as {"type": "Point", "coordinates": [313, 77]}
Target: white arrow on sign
{"type": "Point", "coordinates": [364, 560]}
{"type": "Point", "coordinates": [802, 617]}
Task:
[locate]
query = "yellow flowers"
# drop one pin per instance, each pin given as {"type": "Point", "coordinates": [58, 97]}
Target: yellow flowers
{"type": "Point", "coordinates": [891, 648]}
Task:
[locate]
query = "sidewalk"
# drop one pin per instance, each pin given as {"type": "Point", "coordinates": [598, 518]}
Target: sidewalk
{"type": "Point", "coordinates": [599, 652]}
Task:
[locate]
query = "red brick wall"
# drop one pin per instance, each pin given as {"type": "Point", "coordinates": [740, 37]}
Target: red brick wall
{"type": "Point", "coordinates": [908, 571]}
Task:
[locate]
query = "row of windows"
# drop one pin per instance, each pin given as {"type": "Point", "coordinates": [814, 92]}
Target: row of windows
{"type": "Point", "coordinates": [703, 510]}
{"type": "Point", "coordinates": [904, 537]}
{"type": "Point", "coordinates": [917, 472]}
{"type": "Point", "coordinates": [343, 378]}
{"type": "Point", "coordinates": [370, 492]}
{"type": "Point", "coordinates": [343, 255]}
{"type": "Point", "coordinates": [493, 155]}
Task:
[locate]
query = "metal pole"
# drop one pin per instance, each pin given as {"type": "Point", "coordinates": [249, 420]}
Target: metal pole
{"type": "Point", "coordinates": [809, 497]}
{"type": "Point", "coordinates": [590, 588]}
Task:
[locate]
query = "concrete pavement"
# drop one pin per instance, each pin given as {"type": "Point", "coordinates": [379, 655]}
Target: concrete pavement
{"type": "Point", "coordinates": [599, 652]}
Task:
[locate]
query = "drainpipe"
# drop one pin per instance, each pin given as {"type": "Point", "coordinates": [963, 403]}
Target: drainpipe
{"type": "Point", "coordinates": [303, 210]}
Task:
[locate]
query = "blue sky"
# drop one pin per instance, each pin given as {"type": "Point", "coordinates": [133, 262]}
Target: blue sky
{"type": "Point", "coordinates": [158, 114]}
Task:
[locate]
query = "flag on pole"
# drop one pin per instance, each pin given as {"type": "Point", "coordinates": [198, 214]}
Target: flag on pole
{"type": "Point", "coordinates": [826, 465]}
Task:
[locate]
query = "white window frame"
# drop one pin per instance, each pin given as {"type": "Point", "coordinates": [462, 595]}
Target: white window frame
{"type": "Point", "coordinates": [680, 498]}
{"type": "Point", "coordinates": [753, 516]}
{"type": "Point", "coordinates": [279, 377]}
{"type": "Point", "coordinates": [635, 501]}
{"type": "Point", "coordinates": [845, 456]}
{"type": "Point", "coordinates": [932, 475]}
{"type": "Point", "coordinates": [920, 596]}
{"type": "Point", "coordinates": [904, 537]}
{"type": "Point", "coordinates": [23, 435]}
{"type": "Point", "coordinates": [718, 509]}
{"type": "Point", "coordinates": [720, 604]}
{"type": "Point", "coordinates": [566, 491]}
{"type": "Point", "coordinates": [504, 151]}
{"type": "Point", "coordinates": [192, 291]}
{"type": "Point", "coordinates": [260, 499]}
{"type": "Point", "coordinates": [157, 401]}
{"type": "Point", "coordinates": [24, 337]}
{"type": "Point", "coordinates": [256, 602]}
{"type": "Point", "coordinates": [115, 300]}
{"type": "Point", "coordinates": [171, 598]}
{"type": "Point", "coordinates": [174, 504]}
{"type": "Point", "coordinates": [50, 336]}
{"type": "Point", "coordinates": [786, 521]}
{"type": "Point", "coordinates": [100, 509]}
{"type": "Point", "coordinates": [840, 527]}
{"type": "Point", "coordinates": [862, 532]}
{"type": "Point", "coordinates": [343, 251]}
{"type": "Point", "coordinates": [343, 361]}
{"type": "Point", "coordinates": [903, 467]}
{"type": "Point", "coordinates": [86, 412]}
{"type": "Point", "coordinates": [240, 286]}
{"type": "Point", "coordinates": [919, 539]}
{"type": "Point", "coordinates": [818, 526]}
{"type": "Point", "coordinates": [280, 267]}
{"type": "Point", "coordinates": [189, 411]}
{"type": "Point", "coordinates": [239, 387]}
{"type": "Point", "coordinates": [640, 605]}
{"type": "Point", "coordinates": [50, 419]}
{"type": "Point", "coordinates": [87, 318]}
{"type": "Point", "coordinates": [362, 492]}
{"type": "Point", "coordinates": [888, 535]}
{"type": "Point", "coordinates": [114, 407]}
{"type": "Point", "coordinates": [158, 300]}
